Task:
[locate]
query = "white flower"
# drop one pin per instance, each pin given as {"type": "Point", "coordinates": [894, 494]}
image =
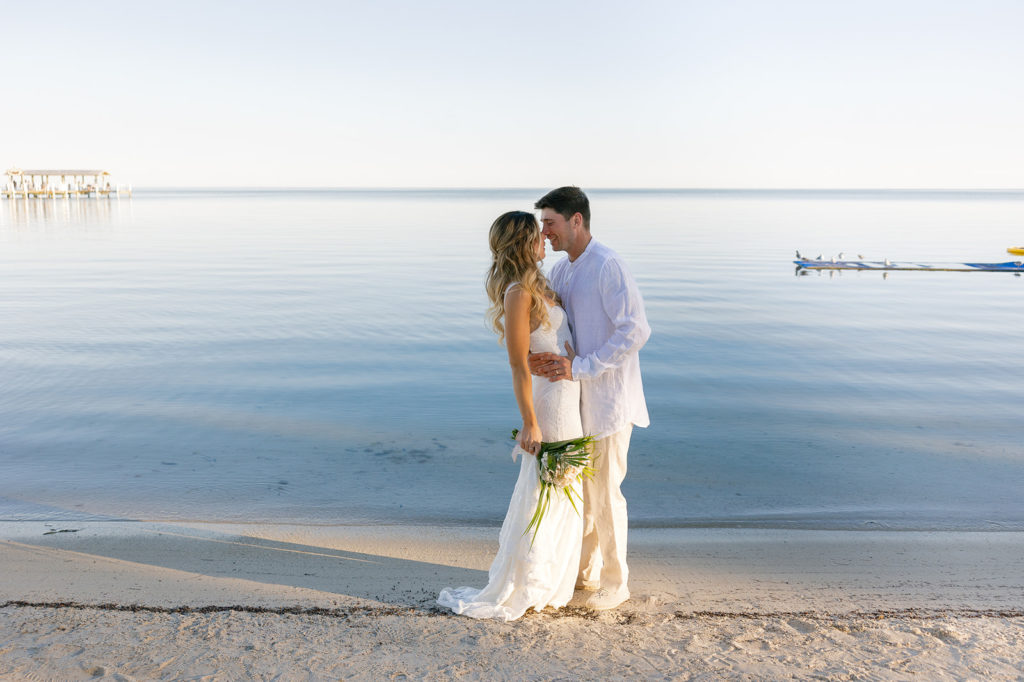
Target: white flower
{"type": "Point", "coordinates": [559, 466]}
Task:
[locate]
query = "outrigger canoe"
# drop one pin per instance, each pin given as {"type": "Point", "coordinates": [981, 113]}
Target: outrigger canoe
{"type": "Point", "coordinates": [813, 264]}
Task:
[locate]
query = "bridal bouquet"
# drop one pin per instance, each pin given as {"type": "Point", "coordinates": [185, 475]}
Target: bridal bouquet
{"type": "Point", "coordinates": [559, 464]}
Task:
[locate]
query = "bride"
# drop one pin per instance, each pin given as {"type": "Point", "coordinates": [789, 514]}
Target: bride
{"type": "Point", "coordinates": [528, 572]}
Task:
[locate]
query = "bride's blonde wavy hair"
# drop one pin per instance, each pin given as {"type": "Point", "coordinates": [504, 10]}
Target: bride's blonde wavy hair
{"type": "Point", "coordinates": [513, 238]}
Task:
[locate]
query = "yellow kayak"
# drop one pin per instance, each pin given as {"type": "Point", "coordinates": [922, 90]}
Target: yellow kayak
{"type": "Point", "coordinates": [1016, 250]}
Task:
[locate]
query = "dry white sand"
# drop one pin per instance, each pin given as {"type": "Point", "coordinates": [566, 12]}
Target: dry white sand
{"type": "Point", "coordinates": [205, 601]}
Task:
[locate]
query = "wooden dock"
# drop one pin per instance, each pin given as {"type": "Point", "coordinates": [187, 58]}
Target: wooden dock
{"type": "Point", "coordinates": [50, 184]}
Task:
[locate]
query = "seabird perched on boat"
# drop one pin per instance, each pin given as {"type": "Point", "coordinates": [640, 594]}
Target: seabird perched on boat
{"type": "Point", "coordinates": [818, 257]}
{"type": "Point", "coordinates": [860, 257]}
{"type": "Point", "coordinates": [840, 255]}
{"type": "Point", "coordinates": [887, 262]}
{"type": "Point", "coordinates": [798, 256]}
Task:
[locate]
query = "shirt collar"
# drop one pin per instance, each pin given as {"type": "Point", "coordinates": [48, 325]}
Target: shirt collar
{"type": "Point", "coordinates": [583, 255]}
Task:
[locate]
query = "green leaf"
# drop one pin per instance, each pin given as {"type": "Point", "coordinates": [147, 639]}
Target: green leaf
{"type": "Point", "coordinates": [574, 452]}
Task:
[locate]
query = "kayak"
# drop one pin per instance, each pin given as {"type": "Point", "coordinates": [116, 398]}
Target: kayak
{"type": "Point", "coordinates": [832, 264]}
{"type": "Point", "coordinates": [1016, 250]}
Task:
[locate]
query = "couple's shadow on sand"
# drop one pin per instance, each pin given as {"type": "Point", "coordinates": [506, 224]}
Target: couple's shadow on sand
{"type": "Point", "coordinates": [347, 578]}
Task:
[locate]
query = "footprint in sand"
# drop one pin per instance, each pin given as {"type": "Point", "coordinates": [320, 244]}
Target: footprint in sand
{"type": "Point", "coordinates": [946, 634]}
{"type": "Point", "coordinates": [803, 626]}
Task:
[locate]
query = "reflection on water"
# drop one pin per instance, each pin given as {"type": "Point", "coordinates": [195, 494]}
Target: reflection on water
{"type": "Point", "coordinates": [321, 356]}
{"type": "Point", "coordinates": [59, 211]}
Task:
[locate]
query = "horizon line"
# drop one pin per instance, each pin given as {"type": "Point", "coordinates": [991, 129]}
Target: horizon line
{"type": "Point", "coordinates": [420, 188]}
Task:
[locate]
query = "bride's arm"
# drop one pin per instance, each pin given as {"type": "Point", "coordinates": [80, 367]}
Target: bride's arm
{"type": "Point", "coordinates": [517, 341]}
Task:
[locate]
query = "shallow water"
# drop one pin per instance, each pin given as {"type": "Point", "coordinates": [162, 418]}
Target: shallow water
{"type": "Point", "coordinates": [321, 357]}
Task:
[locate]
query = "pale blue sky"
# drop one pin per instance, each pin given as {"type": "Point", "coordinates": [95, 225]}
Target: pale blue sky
{"type": "Point", "coordinates": [527, 94]}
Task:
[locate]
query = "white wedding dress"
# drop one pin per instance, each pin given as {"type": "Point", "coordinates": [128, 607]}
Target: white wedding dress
{"type": "Point", "coordinates": [522, 577]}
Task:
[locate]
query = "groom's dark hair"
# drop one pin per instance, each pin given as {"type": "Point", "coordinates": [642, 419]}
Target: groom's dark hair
{"type": "Point", "coordinates": [567, 202]}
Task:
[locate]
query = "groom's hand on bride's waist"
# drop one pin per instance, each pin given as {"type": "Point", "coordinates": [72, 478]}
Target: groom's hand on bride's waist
{"type": "Point", "coordinates": [550, 365]}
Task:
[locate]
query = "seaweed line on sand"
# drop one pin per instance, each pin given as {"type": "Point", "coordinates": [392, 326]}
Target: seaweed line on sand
{"type": "Point", "coordinates": [619, 617]}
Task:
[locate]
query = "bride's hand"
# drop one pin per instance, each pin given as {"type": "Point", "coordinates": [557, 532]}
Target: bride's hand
{"type": "Point", "coordinates": [529, 439]}
{"type": "Point", "coordinates": [563, 365]}
{"type": "Point", "coordinates": [552, 366]}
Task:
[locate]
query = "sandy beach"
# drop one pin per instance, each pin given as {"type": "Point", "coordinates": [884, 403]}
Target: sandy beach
{"type": "Point", "coordinates": [104, 600]}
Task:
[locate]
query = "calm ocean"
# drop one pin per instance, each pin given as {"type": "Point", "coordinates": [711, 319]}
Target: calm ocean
{"type": "Point", "coordinates": [322, 357]}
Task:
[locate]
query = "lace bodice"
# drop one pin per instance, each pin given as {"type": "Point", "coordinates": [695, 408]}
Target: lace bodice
{"type": "Point", "coordinates": [551, 338]}
{"type": "Point", "coordinates": [556, 403]}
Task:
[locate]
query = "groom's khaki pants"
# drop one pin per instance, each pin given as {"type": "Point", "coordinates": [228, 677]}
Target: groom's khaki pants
{"type": "Point", "coordinates": [603, 558]}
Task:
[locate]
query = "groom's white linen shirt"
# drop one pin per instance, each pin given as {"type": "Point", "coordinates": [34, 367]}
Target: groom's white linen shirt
{"type": "Point", "coordinates": [609, 328]}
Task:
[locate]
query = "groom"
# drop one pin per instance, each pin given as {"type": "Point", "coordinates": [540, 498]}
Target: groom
{"type": "Point", "coordinates": [610, 327]}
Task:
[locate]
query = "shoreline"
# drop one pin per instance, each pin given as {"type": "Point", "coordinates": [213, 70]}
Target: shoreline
{"type": "Point", "coordinates": [693, 570]}
{"type": "Point", "coordinates": [160, 601]}
{"type": "Point", "coordinates": [15, 511]}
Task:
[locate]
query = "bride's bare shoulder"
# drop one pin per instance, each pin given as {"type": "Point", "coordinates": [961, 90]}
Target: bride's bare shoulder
{"type": "Point", "coordinates": [515, 293]}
